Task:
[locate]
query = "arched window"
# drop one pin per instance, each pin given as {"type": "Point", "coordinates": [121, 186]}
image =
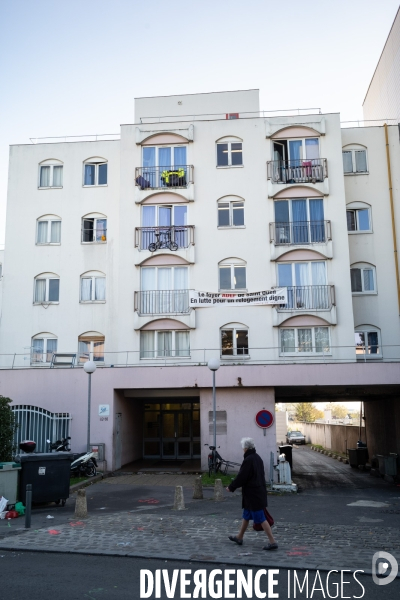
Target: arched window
{"type": "Point", "coordinates": [363, 278]}
{"type": "Point", "coordinates": [368, 341]}
{"type": "Point", "coordinates": [305, 340]}
{"type": "Point", "coordinates": [354, 159]}
{"type": "Point", "coordinates": [93, 287]}
{"type": "Point", "coordinates": [164, 338]}
{"type": "Point", "coordinates": [95, 171]}
{"type": "Point", "coordinates": [43, 346]}
{"type": "Point", "coordinates": [229, 152]}
{"type": "Point", "coordinates": [358, 217]}
{"type": "Point", "coordinates": [94, 228]}
{"type": "Point", "coordinates": [232, 274]}
{"type": "Point", "coordinates": [91, 347]}
{"type": "Point", "coordinates": [50, 174]}
{"type": "Point", "coordinates": [48, 230]}
{"type": "Point", "coordinates": [230, 212]}
{"type": "Point", "coordinates": [234, 339]}
{"type": "Point", "coordinates": [46, 289]}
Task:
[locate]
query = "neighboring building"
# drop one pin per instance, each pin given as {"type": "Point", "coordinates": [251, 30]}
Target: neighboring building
{"type": "Point", "coordinates": [240, 203]}
{"type": "Point", "coordinates": [382, 102]}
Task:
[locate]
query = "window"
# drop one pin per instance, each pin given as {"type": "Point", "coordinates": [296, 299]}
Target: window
{"type": "Point", "coordinates": [299, 221]}
{"type": "Point", "coordinates": [48, 230]}
{"type": "Point", "coordinates": [234, 340]}
{"type": "Point", "coordinates": [94, 229]}
{"type": "Point", "coordinates": [367, 342]}
{"type": "Point", "coordinates": [358, 219]}
{"type": "Point", "coordinates": [164, 290]}
{"type": "Point", "coordinates": [305, 340]}
{"type": "Point", "coordinates": [229, 154]}
{"type": "Point", "coordinates": [51, 174]}
{"type": "Point", "coordinates": [232, 276]}
{"type": "Point", "coordinates": [355, 160]}
{"type": "Point", "coordinates": [165, 217]}
{"type": "Point", "coordinates": [296, 151]}
{"type": "Point", "coordinates": [161, 344]}
{"type": "Point", "coordinates": [91, 347]}
{"type": "Point", "coordinates": [306, 283]}
{"type": "Point", "coordinates": [47, 289]}
{"type": "Point", "coordinates": [93, 287]}
{"type": "Point", "coordinates": [95, 172]}
{"type": "Point", "coordinates": [42, 348]}
{"type": "Point", "coordinates": [230, 213]}
{"type": "Point", "coordinates": [363, 279]}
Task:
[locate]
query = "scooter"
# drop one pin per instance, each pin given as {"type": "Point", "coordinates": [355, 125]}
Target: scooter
{"type": "Point", "coordinates": [84, 464]}
{"type": "Point", "coordinates": [60, 445]}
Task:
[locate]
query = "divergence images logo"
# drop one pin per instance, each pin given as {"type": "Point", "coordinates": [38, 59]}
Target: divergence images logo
{"type": "Point", "coordinates": [380, 566]}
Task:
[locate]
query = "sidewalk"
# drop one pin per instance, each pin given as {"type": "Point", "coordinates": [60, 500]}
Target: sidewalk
{"type": "Point", "coordinates": [307, 527]}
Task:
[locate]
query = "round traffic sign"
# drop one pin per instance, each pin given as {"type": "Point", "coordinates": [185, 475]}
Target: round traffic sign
{"type": "Point", "coordinates": [264, 419]}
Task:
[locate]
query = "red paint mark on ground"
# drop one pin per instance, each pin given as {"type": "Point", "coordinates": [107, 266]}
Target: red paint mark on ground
{"type": "Point", "coordinates": [140, 528]}
{"type": "Point", "coordinates": [77, 524]}
{"type": "Point", "coordinates": [298, 553]}
{"type": "Point", "coordinates": [149, 501]}
{"type": "Point", "coordinates": [54, 532]}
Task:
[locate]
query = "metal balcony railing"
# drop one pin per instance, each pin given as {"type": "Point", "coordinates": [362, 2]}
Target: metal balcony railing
{"type": "Point", "coordinates": [94, 235]}
{"type": "Point", "coordinates": [162, 302]}
{"type": "Point", "coordinates": [300, 232]}
{"type": "Point", "coordinates": [297, 171]}
{"type": "Point", "coordinates": [159, 178]}
{"type": "Point", "coordinates": [172, 237]}
{"type": "Point", "coordinates": [309, 297]}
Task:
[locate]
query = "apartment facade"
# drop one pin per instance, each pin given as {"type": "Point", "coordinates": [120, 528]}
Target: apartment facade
{"type": "Point", "coordinates": [202, 197]}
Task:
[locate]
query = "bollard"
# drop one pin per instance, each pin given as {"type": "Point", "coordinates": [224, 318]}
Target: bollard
{"type": "Point", "coordinates": [179, 502]}
{"type": "Point", "coordinates": [198, 489]}
{"type": "Point", "coordinates": [81, 505]}
{"type": "Point", "coordinates": [218, 491]}
{"type": "Point", "coordinates": [28, 505]}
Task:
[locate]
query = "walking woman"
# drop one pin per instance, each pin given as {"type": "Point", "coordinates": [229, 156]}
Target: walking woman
{"type": "Point", "coordinates": [251, 478]}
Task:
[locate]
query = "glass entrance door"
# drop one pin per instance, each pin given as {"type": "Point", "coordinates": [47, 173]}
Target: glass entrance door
{"type": "Point", "coordinates": [176, 434]}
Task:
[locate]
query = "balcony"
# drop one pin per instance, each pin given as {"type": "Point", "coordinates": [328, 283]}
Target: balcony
{"type": "Point", "coordinates": [174, 237]}
{"type": "Point", "coordinates": [311, 299]}
{"type": "Point", "coordinates": [285, 173]}
{"type": "Point", "coordinates": [163, 178]}
{"type": "Point", "coordinates": [300, 233]}
{"type": "Point", "coordinates": [162, 302]}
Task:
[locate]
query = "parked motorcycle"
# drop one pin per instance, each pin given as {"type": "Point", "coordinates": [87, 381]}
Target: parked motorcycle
{"type": "Point", "coordinates": [83, 465]}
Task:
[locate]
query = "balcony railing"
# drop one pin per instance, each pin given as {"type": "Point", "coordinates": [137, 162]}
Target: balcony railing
{"type": "Point", "coordinates": [309, 297]}
{"type": "Point", "coordinates": [162, 302]}
{"type": "Point", "coordinates": [158, 238]}
{"type": "Point", "coordinates": [160, 178]}
{"type": "Point", "coordinates": [298, 170]}
{"type": "Point", "coordinates": [300, 232]}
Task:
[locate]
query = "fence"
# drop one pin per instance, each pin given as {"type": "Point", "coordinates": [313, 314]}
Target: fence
{"type": "Point", "coordinates": [39, 424]}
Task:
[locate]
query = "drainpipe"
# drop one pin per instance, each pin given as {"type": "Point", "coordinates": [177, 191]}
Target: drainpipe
{"type": "Point", "coordinates": [396, 261]}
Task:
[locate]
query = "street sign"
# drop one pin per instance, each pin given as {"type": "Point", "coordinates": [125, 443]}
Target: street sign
{"type": "Point", "coordinates": [264, 419]}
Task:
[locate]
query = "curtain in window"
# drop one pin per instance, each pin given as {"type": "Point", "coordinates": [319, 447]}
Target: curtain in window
{"type": "Point", "coordinates": [363, 219]}
{"type": "Point", "coordinates": [320, 292]}
{"type": "Point", "coordinates": [181, 286]}
{"type": "Point", "coordinates": [164, 163]}
{"type": "Point", "coordinates": [42, 232]}
{"type": "Point", "coordinates": [282, 227]}
{"type": "Point", "coordinates": [347, 161]}
{"type": "Point", "coordinates": [89, 174]}
{"type": "Point", "coordinates": [368, 279]}
{"type": "Point", "coordinates": [312, 150]}
{"type": "Point", "coordinates": [180, 215]}
{"type": "Point", "coordinates": [180, 220]}
{"type": "Point", "coordinates": [100, 288]}
{"type": "Point", "coordinates": [54, 290]}
{"type": "Point", "coordinates": [86, 289]}
{"type": "Point", "coordinates": [40, 290]}
{"type": "Point", "coordinates": [84, 350]}
{"type": "Point", "coordinates": [295, 153]}
{"type": "Point", "coordinates": [355, 276]}
{"type": "Point", "coordinates": [51, 348]}
{"type": "Point", "coordinates": [149, 165]}
{"type": "Point", "coordinates": [180, 157]}
{"type": "Point", "coordinates": [303, 292]}
{"type": "Point", "coordinates": [182, 347]}
{"type": "Point", "coordinates": [317, 226]}
{"type": "Point", "coordinates": [304, 338]}
{"type": "Point", "coordinates": [148, 220]}
{"type": "Point", "coordinates": [285, 280]}
{"type": "Point", "coordinates": [37, 350]}
{"type": "Point", "coordinates": [225, 278]}
{"type": "Point", "coordinates": [148, 294]}
{"type": "Point", "coordinates": [373, 347]}
{"type": "Point", "coordinates": [361, 161]}
{"type": "Point", "coordinates": [165, 294]}
{"type": "Point", "coordinates": [287, 340]}
{"type": "Point", "coordinates": [101, 230]}
{"type": "Point", "coordinates": [55, 233]}
{"type": "Point", "coordinates": [98, 351]}
{"type": "Point", "coordinates": [44, 176]}
{"type": "Point", "coordinates": [103, 174]}
{"type": "Point", "coordinates": [164, 216]}
{"type": "Point", "coordinates": [239, 278]}
{"type": "Point", "coordinates": [57, 176]}
{"type": "Point", "coordinates": [147, 344]}
{"type": "Point", "coordinates": [300, 226]}
{"type": "Point", "coordinates": [321, 339]}
{"type": "Point", "coordinates": [164, 343]}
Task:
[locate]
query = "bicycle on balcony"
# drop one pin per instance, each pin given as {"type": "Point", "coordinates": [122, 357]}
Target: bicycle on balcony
{"type": "Point", "coordinates": [163, 240]}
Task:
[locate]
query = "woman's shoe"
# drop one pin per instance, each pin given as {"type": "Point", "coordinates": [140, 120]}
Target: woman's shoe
{"type": "Point", "coordinates": [233, 538]}
{"type": "Point", "coordinates": [273, 546]}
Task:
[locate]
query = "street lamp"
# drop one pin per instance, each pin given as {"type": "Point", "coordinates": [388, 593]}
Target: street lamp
{"type": "Point", "coordinates": [89, 367]}
{"type": "Point", "coordinates": [214, 364]}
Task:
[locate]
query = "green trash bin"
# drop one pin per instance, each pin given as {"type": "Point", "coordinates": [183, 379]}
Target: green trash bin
{"type": "Point", "coordinates": [9, 472]}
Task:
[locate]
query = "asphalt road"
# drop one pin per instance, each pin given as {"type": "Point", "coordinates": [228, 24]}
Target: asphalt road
{"type": "Point", "coordinates": [40, 576]}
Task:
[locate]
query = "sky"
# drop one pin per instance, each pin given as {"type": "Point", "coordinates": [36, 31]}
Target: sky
{"type": "Point", "coordinates": [74, 67]}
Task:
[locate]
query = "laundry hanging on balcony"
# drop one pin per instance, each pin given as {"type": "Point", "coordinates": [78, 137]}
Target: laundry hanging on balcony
{"type": "Point", "coordinates": [267, 297]}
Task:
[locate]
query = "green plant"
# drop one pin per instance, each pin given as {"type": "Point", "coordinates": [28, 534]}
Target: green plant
{"type": "Point", "coordinates": [226, 479]}
{"type": "Point", "coordinates": [8, 427]}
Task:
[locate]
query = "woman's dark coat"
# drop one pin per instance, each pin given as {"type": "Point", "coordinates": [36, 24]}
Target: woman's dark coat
{"type": "Point", "coordinates": [251, 478]}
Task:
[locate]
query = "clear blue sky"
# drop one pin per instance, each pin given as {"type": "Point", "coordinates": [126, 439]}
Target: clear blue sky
{"type": "Point", "coordinates": [71, 67]}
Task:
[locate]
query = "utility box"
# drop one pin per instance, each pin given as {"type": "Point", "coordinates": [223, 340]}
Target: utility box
{"type": "Point", "coordinates": [287, 451]}
{"type": "Point", "coordinates": [49, 475]}
{"type": "Point", "coordinates": [9, 472]}
{"type": "Point", "coordinates": [99, 451]}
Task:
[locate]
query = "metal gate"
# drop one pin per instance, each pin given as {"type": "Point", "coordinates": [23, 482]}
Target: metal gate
{"type": "Point", "coordinates": [39, 424]}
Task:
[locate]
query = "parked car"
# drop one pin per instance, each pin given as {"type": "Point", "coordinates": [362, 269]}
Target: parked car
{"type": "Point", "coordinates": [295, 437]}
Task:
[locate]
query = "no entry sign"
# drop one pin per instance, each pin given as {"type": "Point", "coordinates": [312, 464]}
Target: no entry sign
{"type": "Point", "coordinates": [264, 419]}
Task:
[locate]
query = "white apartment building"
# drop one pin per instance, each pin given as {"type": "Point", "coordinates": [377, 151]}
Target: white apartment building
{"type": "Point", "coordinates": [106, 240]}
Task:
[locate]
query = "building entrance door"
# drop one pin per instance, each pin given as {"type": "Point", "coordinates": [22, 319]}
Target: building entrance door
{"type": "Point", "coordinates": [176, 432]}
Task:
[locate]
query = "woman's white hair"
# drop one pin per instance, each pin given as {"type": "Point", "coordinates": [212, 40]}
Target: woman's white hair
{"type": "Point", "coordinates": [247, 443]}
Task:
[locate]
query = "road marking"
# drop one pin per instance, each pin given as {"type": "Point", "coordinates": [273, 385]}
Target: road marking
{"type": "Point", "coordinates": [369, 504]}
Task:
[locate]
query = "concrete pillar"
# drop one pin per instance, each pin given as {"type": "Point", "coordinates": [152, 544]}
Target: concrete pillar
{"type": "Point", "coordinates": [198, 489]}
{"type": "Point", "coordinates": [179, 502]}
{"type": "Point", "coordinates": [382, 424]}
{"type": "Point", "coordinates": [81, 505]}
{"type": "Point", "coordinates": [218, 491]}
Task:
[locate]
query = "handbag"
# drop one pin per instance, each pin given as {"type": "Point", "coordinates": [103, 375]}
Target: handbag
{"type": "Point", "coordinates": [268, 517]}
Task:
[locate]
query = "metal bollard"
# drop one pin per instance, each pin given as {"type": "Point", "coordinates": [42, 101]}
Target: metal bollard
{"type": "Point", "coordinates": [28, 505]}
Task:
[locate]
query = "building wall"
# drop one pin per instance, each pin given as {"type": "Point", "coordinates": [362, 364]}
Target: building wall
{"type": "Point", "coordinates": [331, 437]}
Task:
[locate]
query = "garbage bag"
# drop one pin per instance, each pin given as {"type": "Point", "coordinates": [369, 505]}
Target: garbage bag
{"type": "Point", "coordinates": [20, 508]}
{"type": "Point", "coordinates": [12, 514]}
